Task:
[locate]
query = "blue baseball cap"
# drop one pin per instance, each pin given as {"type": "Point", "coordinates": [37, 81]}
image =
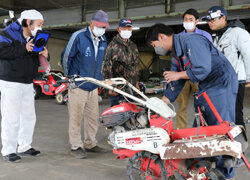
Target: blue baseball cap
{"type": "Point", "coordinates": [215, 12]}
{"type": "Point", "coordinates": [125, 22]}
{"type": "Point", "coordinates": [100, 19]}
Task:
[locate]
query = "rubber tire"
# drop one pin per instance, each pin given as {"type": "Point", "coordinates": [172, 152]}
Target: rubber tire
{"type": "Point", "coordinates": [215, 174]}
{"type": "Point", "coordinates": [143, 154]}
{"type": "Point", "coordinates": [178, 176]}
{"type": "Point", "coordinates": [60, 98]}
{"type": "Point", "coordinates": [37, 92]}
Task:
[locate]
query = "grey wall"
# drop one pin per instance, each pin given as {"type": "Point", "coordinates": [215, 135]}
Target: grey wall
{"type": "Point", "coordinates": [55, 48]}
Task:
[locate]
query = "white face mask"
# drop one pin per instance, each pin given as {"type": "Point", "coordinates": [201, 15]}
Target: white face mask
{"type": "Point", "coordinates": [98, 31]}
{"type": "Point", "coordinates": [33, 32]}
{"type": "Point", "coordinates": [188, 25]}
{"type": "Point", "coordinates": [125, 34]}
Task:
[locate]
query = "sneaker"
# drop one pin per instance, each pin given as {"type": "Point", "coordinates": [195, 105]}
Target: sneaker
{"type": "Point", "coordinates": [96, 149]}
{"type": "Point", "coordinates": [30, 152]}
{"type": "Point", "coordinates": [13, 157]}
{"type": "Point", "coordinates": [78, 153]}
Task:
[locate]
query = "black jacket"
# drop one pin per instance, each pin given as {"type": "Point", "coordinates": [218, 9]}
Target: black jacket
{"type": "Point", "coordinates": [16, 63]}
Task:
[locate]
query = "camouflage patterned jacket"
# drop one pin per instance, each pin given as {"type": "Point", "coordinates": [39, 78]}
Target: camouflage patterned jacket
{"type": "Point", "coordinates": [121, 60]}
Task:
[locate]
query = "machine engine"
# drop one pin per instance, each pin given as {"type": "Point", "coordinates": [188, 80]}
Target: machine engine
{"type": "Point", "coordinates": [127, 115]}
{"type": "Point", "coordinates": [130, 129]}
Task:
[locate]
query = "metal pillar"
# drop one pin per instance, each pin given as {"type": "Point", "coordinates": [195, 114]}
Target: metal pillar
{"type": "Point", "coordinates": [169, 6]}
{"type": "Point", "coordinates": [121, 6]}
{"type": "Point", "coordinates": [83, 11]}
{"type": "Point", "coordinates": [226, 3]}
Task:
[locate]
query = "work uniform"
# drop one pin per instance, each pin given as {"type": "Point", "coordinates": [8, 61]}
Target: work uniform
{"type": "Point", "coordinates": [121, 60]}
{"type": "Point", "coordinates": [83, 56]}
{"type": "Point", "coordinates": [189, 88]}
{"type": "Point", "coordinates": [18, 67]}
{"type": "Point", "coordinates": [207, 66]}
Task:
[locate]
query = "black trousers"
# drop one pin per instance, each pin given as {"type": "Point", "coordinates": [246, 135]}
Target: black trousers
{"type": "Point", "coordinates": [239, 105]}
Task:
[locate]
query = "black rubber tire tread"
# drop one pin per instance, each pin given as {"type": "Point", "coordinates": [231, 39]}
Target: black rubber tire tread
{"type": "Point", "coordinates": [215, 174]}
{"type": "Point", "coordinates": [38, 91]}
{"type": "Point", "coordinates": [178, 175]}
{"type": "Point", "coordinates": [156, 160]}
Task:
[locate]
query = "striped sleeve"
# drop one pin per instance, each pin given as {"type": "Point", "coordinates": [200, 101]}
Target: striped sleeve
{"type": "Point", "coordinates": [70, 52]}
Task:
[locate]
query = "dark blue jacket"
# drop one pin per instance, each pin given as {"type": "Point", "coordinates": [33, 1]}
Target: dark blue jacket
{"type": "Point", "coordinates": [204, 64]}
{"type": "Point", "coordinates": [78, 57]}
{"type": "Point", "coordinates": [16, 63]}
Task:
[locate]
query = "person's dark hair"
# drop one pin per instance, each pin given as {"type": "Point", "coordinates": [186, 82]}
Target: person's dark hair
{"type": "Point", "coordinates": [192, 12]}
{"type": "Point", "coordinates": [153, 31]}
{"type": "Point", "coordinates": [24, 22]}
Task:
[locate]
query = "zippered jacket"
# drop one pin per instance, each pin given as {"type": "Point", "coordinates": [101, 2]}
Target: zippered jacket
{"type": "Point", "coordinates": [203, 63]}
{"type": "Point", "coordinates": [78, 57]}
{"type": "Point", "coordinates": [16, 63]}
{"type": "Point", "coordinates": [234, 43]}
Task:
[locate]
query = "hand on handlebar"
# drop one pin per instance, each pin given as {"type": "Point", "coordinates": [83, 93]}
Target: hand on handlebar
{"type": "Point", "coordinates": [109, 82]}
{"type": "Point", "coordinates": [165, 99]}
{"type": "Point", "coordinates": [111, 92]}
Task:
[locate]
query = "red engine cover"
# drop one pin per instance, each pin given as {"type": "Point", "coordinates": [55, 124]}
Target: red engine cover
{"type": "Point", "coordinates": [123, 107]}
{"type": "Point", "coordinates": [159, 121]}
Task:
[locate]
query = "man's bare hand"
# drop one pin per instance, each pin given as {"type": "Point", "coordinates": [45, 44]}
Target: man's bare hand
{"type": "Point", "coordinates": [109, 82]}
{"type": "Point", "coordinates": [45, 53]}
{"type": "Point", "coordinates": [174, 76]}
{"type": "Point", "coordinates": [165, 99]}
{"type": "Point", "coordinates": [111, 92]}
{"type": "Point", "coordinates": [247, 84]}
{"type": "Point", "coordinates": [30, 45]}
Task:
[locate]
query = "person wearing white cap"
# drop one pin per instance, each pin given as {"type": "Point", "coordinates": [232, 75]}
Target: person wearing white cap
{"type": "Point", "coordinates": [18, 67]}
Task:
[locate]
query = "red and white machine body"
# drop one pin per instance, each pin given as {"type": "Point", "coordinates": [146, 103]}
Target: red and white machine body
{"type": "Point", "coordinates": [143, 132]}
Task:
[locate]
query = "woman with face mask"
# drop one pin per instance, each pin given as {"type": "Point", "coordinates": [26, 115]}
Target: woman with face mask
{"type": "Point", "coordinates": [122, 58]}
{"type": "Point", "coordinates": [190, 20]}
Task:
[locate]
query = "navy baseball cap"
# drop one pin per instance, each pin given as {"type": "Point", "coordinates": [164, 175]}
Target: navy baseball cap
{"type": "Point", "coordinates": [215, 12]}
{"type": "Point", "coordinates": [125, 22]}
{"type": "Point", "coordinates": [100, 18]}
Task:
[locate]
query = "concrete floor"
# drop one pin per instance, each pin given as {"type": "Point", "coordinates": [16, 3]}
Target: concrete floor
{"type": "Point", "coordinates": [55, 163]}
